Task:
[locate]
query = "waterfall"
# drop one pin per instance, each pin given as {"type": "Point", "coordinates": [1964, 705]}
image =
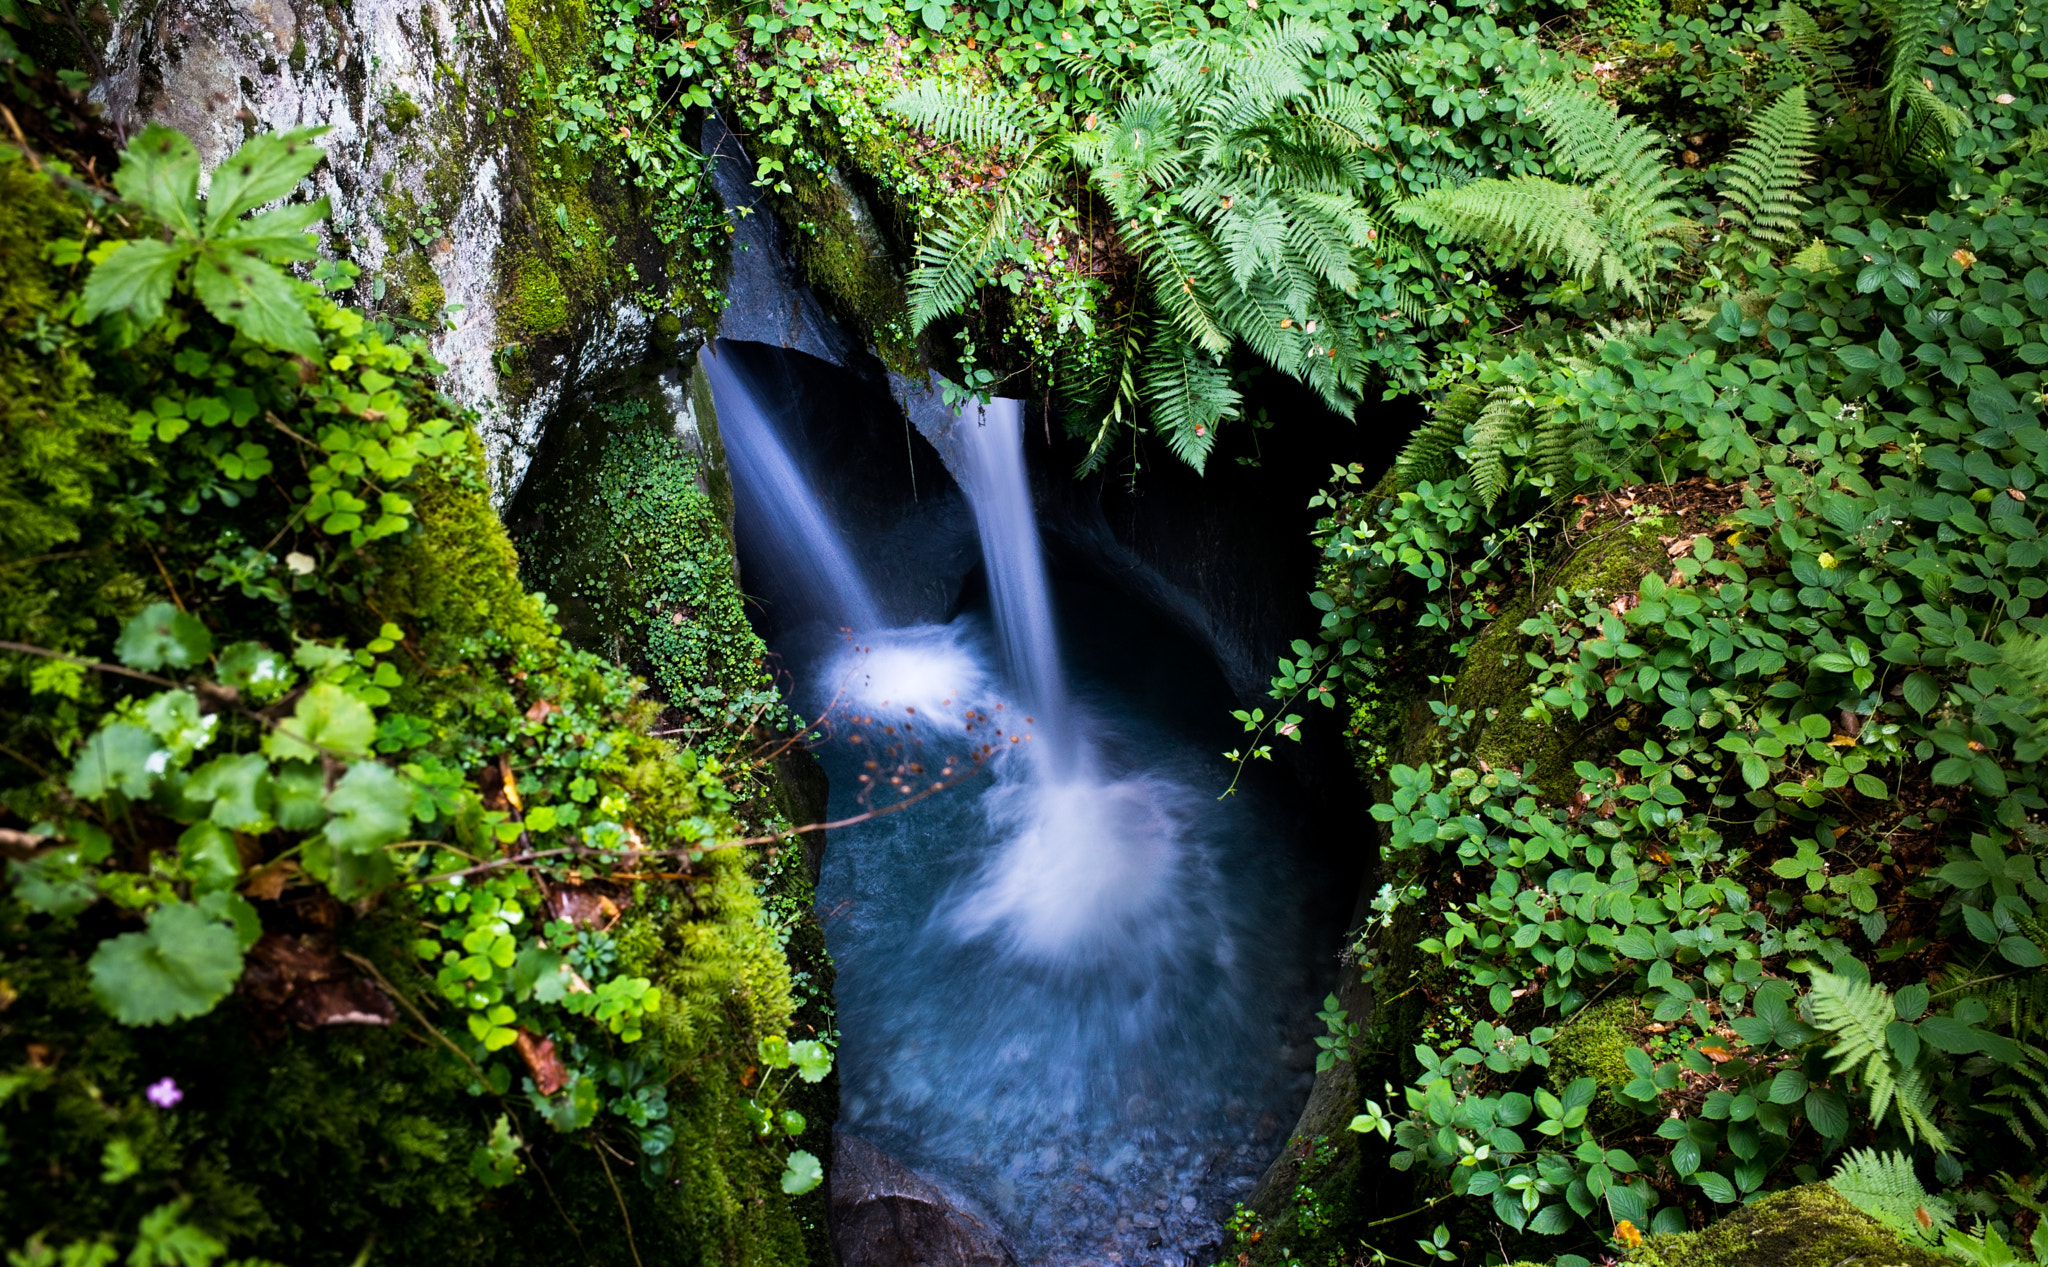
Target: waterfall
{"type": "Point", "coordinates": [1064, 980]}
{"type": "Point", "coordinates": [805, 546]}
{"type": "Point", "coordinates": [991, 448]}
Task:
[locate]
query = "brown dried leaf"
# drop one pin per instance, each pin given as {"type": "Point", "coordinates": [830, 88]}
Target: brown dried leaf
{"type": "Point", "coordinates": [539, 1054]}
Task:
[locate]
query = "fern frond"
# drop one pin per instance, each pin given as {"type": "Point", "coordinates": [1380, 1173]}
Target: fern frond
{"type": "Point", "coordinates": [1528, 219]}
{"type": "Point", "coordinates": [1557, 440]}
{"type": "Point", "coordinates": [1922, 123]}
{"type": "Point", "coordinates": [1188, 394]}
{"type": "Point", "coordinates": [1762, 177]}
{"type": "Point", "coordinates": [957, 112]}
{"type": "Point", "coordinates": [1492, 431]}
{"type": "Point", "coordinates": [1857, 1013]}
{"type": "Point", "coordinates": [1884, 1186]}
{"type": "Point", "coordinates": [1814, 52]}
{"type": "Point", "coordinates": [1427, 455]}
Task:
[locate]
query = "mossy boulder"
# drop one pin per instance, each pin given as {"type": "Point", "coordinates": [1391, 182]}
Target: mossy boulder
{"type": "Point", "coordinates": [1595, 1044]}
{"type": "Point", "coordinates": [1810, 1226]}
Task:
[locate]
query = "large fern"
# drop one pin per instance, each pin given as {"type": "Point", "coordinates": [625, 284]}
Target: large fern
{"type": "Point", "coordinates": [1857, 1014]}
{"type": "Point", "coordinates": [1428, 453]}
{"type": "Point", "coordinates": [1884, 1186]}
{"type": "Point", "coordinates": [1607, 228]}
{"type": "Point", "coordinates": [1762, 177]}
{"type": "Point", "coordinates": [1237, 180]}
{"type": "Point", "coordinates": [1922, 124]}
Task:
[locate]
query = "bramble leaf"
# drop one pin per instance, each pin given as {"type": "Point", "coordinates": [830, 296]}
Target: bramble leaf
{"type": "Point", "coordinates": [160, 173]}
{"type": "Point", "coordinates": [256, 299]}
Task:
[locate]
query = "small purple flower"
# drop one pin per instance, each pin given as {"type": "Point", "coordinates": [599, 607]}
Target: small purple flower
{"type": "Point", "coordinates": [164, 1093]}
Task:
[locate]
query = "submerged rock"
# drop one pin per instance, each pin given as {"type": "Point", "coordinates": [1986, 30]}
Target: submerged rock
{"type": "Point", "coordinates": [885, 1215]}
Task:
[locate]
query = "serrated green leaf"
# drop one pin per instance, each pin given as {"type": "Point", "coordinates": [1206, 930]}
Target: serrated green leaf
{"type": "Point", "coordinates": [266, 168]}
{"type": "Point", "coordinates": [159, 172]}
{"type": "Point", "coordinates": [178, 967]}
{"type": "Point", "coordinates": [134, 277]}
{"type": "Point", "coordinates": [283, 234]}
{"type": "Point", "coordinates": [371, 808]}
{"type": "Point", "coordinates": [160, 636]}
{"type": "Point", "coordinates": [255, 298]}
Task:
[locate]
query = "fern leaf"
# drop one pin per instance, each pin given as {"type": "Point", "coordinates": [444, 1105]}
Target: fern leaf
{"type": "Point", "coordinates": [1922, 123]}
{"type": "Point", "coordinates": [1427, 455]}
{"type": "Point", "coordinates": [1857, 1014]}
{"type": "Point", "coordinates": [1814, 51]}
{"type": "Point", "coordinates": [1884, 1186]}
{"type": "Point", "coordinates": [1486, 451]}
{"type": "Point", "coordinates": [1762, 177]}
{"type": "Point", "coordinates": [957, 112]}
{"type": "Point", "coordinates": [1189, 394]}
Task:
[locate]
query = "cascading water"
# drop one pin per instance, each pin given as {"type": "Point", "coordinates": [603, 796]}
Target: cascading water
{"type": "Point", "coordinates": [805, 548]}
{"type": "Point", "coordinates": [1064, 987]}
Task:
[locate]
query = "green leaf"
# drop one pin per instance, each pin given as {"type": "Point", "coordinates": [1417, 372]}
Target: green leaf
{"type": "Point", "coordinates": [934, 16]}
{"type": "Point", "coordinates": [266, 168]}
{"type": "Point", "coordinates": [160, 173]}
{"type": "Point", "coordinates": [495, 1162]}
{"type": "Point", "coordinates": [297, 789]}
{"type": "Point", "coordinates": [1716, 1186]}
{"type": "Point", "coordinates": [160, 636]}
{"type": "Point", "coordinates": [1871, 786]}
{"type": "Point", "coordinates": [1828, 1112]}
{"type": "Point", "coordinates": [801, 1173]}
{"type": "Point", "coordinates": [123, 757]}
{"type": "Point", "coordinates": [207, 856]}
{"type": "Point", "coordinates": [372, 807]}
{"type": "Point", "coordinates": [256, 299]}
{"type": "Point", "coordinates": [283, 234]}
{"type": "Point", "coordinates": [2021, 953]}
{"type": "Point", "coordinates": [239, 787]}
{"type": "Point", "coordinates": [135, 278]}
{"type": "Point", "coordinates": [1922, 692]}
{"type": "Point", "coordinates": [179, 967]}
{"type": "Point", "coordinates": [813, 1059]}
{"type": "Point", "coordinates": [326, 718]}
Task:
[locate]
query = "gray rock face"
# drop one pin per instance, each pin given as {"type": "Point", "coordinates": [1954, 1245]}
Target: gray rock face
{"type": "Point", "coordinates": [886, 1215]}
{"type": "Point", "coordinates": [410, 90]}
{"type": "Point", "coordinates": [768, 300]}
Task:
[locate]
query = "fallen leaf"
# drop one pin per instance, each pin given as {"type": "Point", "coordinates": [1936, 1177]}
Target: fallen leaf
{"type": "Point", "coordinates": [539, 1054]}
{"type": "Point", "coordinates": [541, 709]}
{"type": "Point", "coordinates": [266, 883]}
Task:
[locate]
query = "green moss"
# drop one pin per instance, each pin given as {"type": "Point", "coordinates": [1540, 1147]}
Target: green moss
{"type": "Point", "coordinates": [535, 303]}
{"type": "Point", "coordinates": [631, 536]}
{"type": "Point", "coordinates": [1810, 1226]}
{"type": "Point", "coordinates": [400, 112]}
{"type": "Point", "coordinates": [1595, 1044]}
{"type": "Point", "coordinates": [1494, 678]}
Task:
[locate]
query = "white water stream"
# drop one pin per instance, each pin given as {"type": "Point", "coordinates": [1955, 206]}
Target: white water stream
{"type": "Point", "coordinates": [1065, 986]}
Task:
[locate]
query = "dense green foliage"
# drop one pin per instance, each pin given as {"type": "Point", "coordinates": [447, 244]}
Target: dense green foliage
{"type": "Point", "coordinates": [347, 905]}
{"type": "Point", "coordinates": [1775, 775]}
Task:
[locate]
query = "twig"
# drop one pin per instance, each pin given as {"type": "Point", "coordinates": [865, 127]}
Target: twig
{"type": "Point", "coordinates": [415, 1013]}
{"type": "Point", "coordinates": [587, 851]}
{"type": "Point", "coordinates": [620, 1197]}
{"type": "Point", "coordinates": [35, 165]}
{"type": "Point", "coordinates": [1405, 1214]}
{"type": "Point", "coordinates": [29, 649]}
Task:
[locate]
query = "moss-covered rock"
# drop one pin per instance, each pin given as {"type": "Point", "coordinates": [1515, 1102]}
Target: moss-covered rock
{"type": "Point", "coordinates": [1595, 1044]}
{"type": "Point", "coordinates": [1811, 1226]}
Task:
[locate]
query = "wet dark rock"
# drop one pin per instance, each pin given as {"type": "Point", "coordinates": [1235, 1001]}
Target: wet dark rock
{"type": "Point", "coordinates": [886, 1215]}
